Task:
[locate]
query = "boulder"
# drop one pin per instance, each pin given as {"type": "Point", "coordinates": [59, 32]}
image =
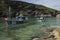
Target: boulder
{"type": "Point", "coordinates": [36, 39]}
{"type": "Point", "coordinates": [56, 33]}
{"type": "Point", "coordinates": [58, 16]}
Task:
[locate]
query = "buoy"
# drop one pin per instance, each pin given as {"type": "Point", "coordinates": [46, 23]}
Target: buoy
{"type": "Point", "coordinates": [6, 19]}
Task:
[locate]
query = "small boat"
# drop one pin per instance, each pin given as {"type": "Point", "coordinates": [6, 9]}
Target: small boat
{"type": "Point", "coordinates": [41, 18]}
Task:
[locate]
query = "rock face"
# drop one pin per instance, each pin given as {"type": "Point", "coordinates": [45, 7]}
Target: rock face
{"type": "Point", "coordinates": [53, 35]}
{"type": "Point", "coordinates": [56, 33]}
{"type": "Point", "coordinates": [36, 39]}
{"type": "Point", "coordinates": [58, 16]}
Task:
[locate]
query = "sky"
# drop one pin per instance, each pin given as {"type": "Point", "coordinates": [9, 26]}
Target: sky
{"type": "Point", "coordinates": [55, 4]}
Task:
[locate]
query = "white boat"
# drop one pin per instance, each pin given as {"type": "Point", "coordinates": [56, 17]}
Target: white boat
{"type": "Point", "coordinates": [41, 18]}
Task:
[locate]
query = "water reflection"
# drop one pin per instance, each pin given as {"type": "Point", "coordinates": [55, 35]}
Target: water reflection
{"type": "Point", "coordinates": [52, 22]}
{"type": "Point", "coordinates": [46, 22]}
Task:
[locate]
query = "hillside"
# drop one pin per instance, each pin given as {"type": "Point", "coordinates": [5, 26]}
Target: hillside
{"type": "Point", "coordinates": [26, 8]}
